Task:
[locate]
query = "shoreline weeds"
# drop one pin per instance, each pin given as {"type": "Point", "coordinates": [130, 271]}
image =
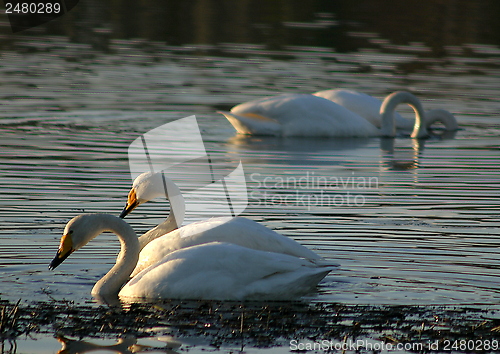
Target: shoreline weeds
{"type": "Point", "coordinates": [254, 324]}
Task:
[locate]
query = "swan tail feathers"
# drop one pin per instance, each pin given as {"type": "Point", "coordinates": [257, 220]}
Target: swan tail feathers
{"type": "Point", "coordinates": [253, 123]}
{"type": "Point", "coordinates": [326, 263]}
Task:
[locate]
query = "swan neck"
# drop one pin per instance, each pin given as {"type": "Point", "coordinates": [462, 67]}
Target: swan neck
{"type": "Point", "coordinates": [161, 229]}
{"type": "Point", "coordinates": [388, 127]}
{"type": "Point", "coordinates": [119, 274]}
{"type": "Point", "coordinates": [176, 216]}
{"type": "Point", "coordinates": [388, 107]}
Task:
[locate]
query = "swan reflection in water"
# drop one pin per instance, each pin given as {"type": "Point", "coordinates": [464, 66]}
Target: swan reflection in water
{"type": "Point", "coordinates": [124, 345]}
{"type": "Point", "coordinates": [393, 154]}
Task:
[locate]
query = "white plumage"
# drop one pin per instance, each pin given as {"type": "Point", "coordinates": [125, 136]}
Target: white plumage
{"type": "Point", "coordinates": [239, 231]}
{"type": "Point", "coordinates": [165, 238]}
{"type": "Point", "coordinates": [314, 116]}
{"type": "Point", "coordinates": [363, 105]}
{"type": "Point", "coordinates": [214, 270]}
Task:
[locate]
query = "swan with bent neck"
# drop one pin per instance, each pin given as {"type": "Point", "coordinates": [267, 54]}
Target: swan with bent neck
{"type": "Point", "coordinates": [312, 115]}
{"type": "Point", "coordinates": [238, 230]}
{"type": "Point", "coordinates": [369, 108]}
{"type": "Point", "coordinates": [210, 271]}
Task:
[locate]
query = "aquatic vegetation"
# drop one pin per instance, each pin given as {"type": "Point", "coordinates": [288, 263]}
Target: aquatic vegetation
{"type": "Point", "coordinates": [9, 326]}
{"type": "Point", "coordinates": [252, 324]}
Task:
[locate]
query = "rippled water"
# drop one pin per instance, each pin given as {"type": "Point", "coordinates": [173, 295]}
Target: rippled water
{"type": "Point", "coordinates": [410, 222]}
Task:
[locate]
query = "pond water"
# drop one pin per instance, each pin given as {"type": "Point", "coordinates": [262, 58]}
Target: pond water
{"type": "Point", "coordinates": [410, 222]}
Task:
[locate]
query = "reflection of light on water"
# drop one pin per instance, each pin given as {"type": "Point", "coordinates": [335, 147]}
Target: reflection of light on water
{"type": "Point", "coordinates": [64, 152]}
{"type": "Point", "coordinates": [125, 344]}
{"type": "Point", "coordinates": [400, 159]}
{"type": "Point", "coordinates": [404, 241]}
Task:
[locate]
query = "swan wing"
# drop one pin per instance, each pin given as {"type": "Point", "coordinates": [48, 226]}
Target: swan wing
{"type": "Point", "coordinates": [224, 271]}
{"type": "Point", "coordinates": [240, 231]}
{"type": "Point", "coordinates": [303, 115]}
{"type": "Point", "coordinates": [364, 105]}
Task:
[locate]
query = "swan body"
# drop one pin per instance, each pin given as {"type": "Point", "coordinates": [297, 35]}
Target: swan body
{"type": "Point", "coordinates": [298, 115]}
{"type": "Point", "coordinates": [211, 271]}
{"type": "Point", "coordinates": [363, 105]}
{"type": "Point", "coordinates": [238, 230]}
{"type": "Point", "coordinates": [311, 115]}
{"type": "Point", "coordinates": [225, 271]}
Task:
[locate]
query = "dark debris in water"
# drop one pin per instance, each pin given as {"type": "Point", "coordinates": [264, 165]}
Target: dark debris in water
{"type": "Point", "coordinates": [253, 323]}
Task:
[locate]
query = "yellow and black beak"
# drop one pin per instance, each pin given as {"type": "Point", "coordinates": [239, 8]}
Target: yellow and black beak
{"type": "Point", "coordinates": [65, 249]}
{"type": "Point", "coordinates": [132, 203]}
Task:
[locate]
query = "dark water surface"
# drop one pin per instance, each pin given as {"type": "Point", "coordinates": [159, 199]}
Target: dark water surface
{"type": "Point", "coordinates": [410, 222]}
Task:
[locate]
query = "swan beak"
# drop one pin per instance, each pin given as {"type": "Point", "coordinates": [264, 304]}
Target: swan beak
{"type": "Point", "coordinates": [132, 203]}
{"type": "Point", "coordinates": [65, 249]}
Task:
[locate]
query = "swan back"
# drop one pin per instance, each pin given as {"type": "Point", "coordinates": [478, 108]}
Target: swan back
{"type": "Point", "coordinates": [240, 231]}
{"type": "Point", "coordinates": [301, 115]}
{"type": "Point", "coordinates": [363, 105]}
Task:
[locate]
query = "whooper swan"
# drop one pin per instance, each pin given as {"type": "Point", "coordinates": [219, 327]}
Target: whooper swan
{"type": "Point", "coordinates": [215, 271]}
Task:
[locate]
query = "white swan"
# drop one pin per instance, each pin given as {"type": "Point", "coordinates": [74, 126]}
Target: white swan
{"type": "Point", "coordinates": [309, 115]}
{"type": "Point", "coordinates": [240, 231]}
{"type": "Point", "coordinates": [211, 271]}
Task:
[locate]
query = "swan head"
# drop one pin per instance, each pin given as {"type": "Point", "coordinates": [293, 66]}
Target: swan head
{"type": "Point", "coordinates": [441, 116]}
{"type": "Point", "coordinates": [148, 186]}
{"type": "Point", "coordinates": [77, 233]}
